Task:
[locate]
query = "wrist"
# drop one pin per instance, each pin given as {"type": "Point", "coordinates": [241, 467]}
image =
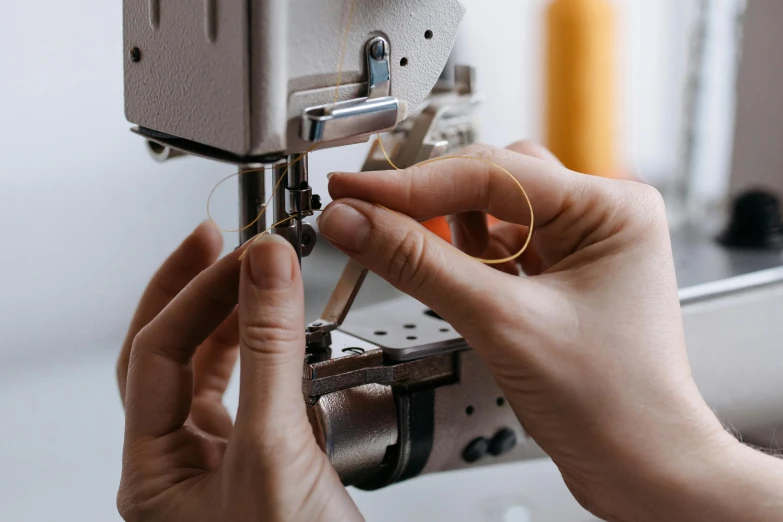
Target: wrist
{"type": "Point", "coordinates": [723, 481]}
{"type": "Point", "coordinates": [675, 471]}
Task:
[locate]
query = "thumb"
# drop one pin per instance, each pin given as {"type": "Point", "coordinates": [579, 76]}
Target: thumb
{"type": "Point", "coordinates": [412, 259]}
{"type": "Point", "coordinates": [272, 337]}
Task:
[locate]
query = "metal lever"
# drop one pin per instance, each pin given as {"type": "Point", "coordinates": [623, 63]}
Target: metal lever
{"type": "Point", "coordinates": [377, 112]}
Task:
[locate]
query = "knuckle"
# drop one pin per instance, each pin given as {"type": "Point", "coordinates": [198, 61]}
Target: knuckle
{"type": "Point", "coordinates": [129, 508]}
{"type": "Point", "coordinates": [406, 267]}
{"type": "Point", "coordinates": [475, 148]}
{"type": "Point", "coordinates": [524, 146]}
{"type": "Point", "coordinates": [647, 204]}
{"type": "Point", "coordinates": [141, 340]}
{"type": "Point", "coordinates": [265, 337]}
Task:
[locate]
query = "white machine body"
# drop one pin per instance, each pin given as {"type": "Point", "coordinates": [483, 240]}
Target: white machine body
{"type": "Point", "coordinates": [237, 75]}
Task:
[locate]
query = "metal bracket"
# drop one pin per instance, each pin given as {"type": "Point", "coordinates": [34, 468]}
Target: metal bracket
{"type": "Point", "coordinates": [377, 112]}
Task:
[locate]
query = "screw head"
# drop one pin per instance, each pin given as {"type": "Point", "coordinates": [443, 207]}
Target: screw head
{"type": "Point", "coordinates": [378, 49]}
{"type": "Point", "coordinates": [135, 55]}
{"type": "Point", "coordinates": [315, 202]}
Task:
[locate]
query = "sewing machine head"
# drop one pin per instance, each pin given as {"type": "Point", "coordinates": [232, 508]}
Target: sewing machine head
{"type": "Point", "coordinates": [250, 82]}
{"type": "Point", "coordinates": [265, 82]}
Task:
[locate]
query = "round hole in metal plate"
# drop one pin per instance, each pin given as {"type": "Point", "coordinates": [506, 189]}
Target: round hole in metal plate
{"type": "Point", "coordinates": [444, 330]}
{"type": "Point", "coordinates": [411, 338]}
{"type": "Point", "coordinates": [428, 34]}
{"type": "Point", "coordinates": [380, 332]}
{"type": "Point", "coordinates": [469, 410]}
{"type": "Point", "coordinates": [409, 326]}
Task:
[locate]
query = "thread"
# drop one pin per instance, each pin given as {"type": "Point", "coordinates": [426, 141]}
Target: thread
{"type": "Point", "coordinates": [340, 63]}
{"type": "Point", "coordinates": [268, 201]}
{"type": "Point", "coordinates": [255, 238]}
{"type": "Point", "coordinates": [343, 50]}
{"type": "Point", "coordinates": [388, 159]}
{"type": "Point", "coordinates": [490, 163]}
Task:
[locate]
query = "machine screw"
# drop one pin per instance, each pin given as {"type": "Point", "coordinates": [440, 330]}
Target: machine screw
{"type": "Point", "coordinates": [315, 202]}
{"type": "Point", "coordinates": [135, 55]}
{"type": "Point", "coordinates": [378, 49]}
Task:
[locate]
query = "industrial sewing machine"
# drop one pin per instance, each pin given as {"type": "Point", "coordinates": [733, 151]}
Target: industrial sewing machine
{"type": "Point", "coordinates": [391, 390]}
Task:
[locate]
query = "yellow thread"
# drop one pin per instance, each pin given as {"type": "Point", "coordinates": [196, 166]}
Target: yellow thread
{"type": "Point", "coordinates": [288, 165]}
{"type": "Point", "coordinates": [386, 154]}
{"type": "Point", "coordinates": [521, 188]}
{"type": "Point", "coordinates": [255, 238]}
{"type": "Point", "coordinates": [248, 171]}
{"type": "Point", "coordinates": [388, 159]}
{"type": "Point", "coordinates": [342, 51]}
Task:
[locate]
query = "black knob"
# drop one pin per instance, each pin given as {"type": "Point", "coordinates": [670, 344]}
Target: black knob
{"type": "Point", "coordinates": [503, 442]}
{"type": "Point", "coordinates": [475, 450]}
{"type": "Point", "coordinates": [315, 202]}
{"type": "Point", "coordinates": [755, 222]}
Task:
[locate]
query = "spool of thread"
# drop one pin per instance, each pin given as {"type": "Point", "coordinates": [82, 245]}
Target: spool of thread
{"type": "Point", "coordinates": [580, 85]}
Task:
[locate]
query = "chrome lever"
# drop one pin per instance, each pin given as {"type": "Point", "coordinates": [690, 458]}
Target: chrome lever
{"type": "Point", "coordinates": [377, 112]}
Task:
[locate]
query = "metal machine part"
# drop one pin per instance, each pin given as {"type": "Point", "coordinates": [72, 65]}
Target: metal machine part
{"type": "Point", "coordinates": [246, 73]}
{"type": "Point", "coordinates": [445, 123]}
{"type": "Point", "coordinates": [377, 112]}
{"type": "Point", "coordinates": [252, 198]}
{"type": "Point", "coordinates": [451, 414]}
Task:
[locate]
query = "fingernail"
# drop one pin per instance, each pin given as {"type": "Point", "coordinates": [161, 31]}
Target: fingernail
{"type": "Point", "coordinates": [329, 176]}
{"type": "Point", "coordinates": [271, 263]}
{"type": "Point", "coordinates": [344, 225]}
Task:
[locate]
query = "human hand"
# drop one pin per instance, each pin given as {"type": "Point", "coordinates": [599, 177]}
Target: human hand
{"type": "Point", "coordinates": [183, 459]}
{"type": "Point", "coordinates": [589, 350]}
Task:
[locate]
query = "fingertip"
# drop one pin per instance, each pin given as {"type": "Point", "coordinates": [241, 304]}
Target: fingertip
{"type": "Point", "coordinates": [207, 235]}
{"type": "Point", "coordinates": [344, 223]}
{"type": "Point", "coordinates": [272, 262]}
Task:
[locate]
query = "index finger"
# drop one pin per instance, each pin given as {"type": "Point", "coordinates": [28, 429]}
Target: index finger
{"type": "Point", "coordinates": [197, 252]}
{"type": "Point", "coordinates": [160, 375]}
{"type": "Point", "coordinates": [453, 185]}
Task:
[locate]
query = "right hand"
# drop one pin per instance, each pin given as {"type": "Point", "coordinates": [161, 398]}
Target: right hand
{"type": "Point", "coordinates": [589, 350]}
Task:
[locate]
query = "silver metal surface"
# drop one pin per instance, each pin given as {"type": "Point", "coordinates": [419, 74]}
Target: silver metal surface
{"type": "Point", "coordinates": [329, 376]}
{"type": "Point", "coordinates": [404, 329]}
{"type": "Point", "coordinates": [162, 153]}
{"type": "Point", "coordinates": [252, 198]}
{"type": "Point", "coordinates": [377, 112]}
{"type": "Point", "coordinates": [284, 227]}
{"type": "Point", "coordinates": [300, 194]}
{"type": "Point", "coordinates": [350, 118]}
{"type": "Point", "coordinates": [445, 124]}
{"type": "Point", "coordinates": [706, 269]}
{"type": "Point", "coordinates": [378, 70]}
{"type": "Point", "coordinates": [354, 428]}
{"type": "Point", "coordinates": [343, 296]}
{"type": "Point", "coordinates": [473, 407]}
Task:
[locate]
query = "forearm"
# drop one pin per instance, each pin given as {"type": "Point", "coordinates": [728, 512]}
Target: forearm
{"type": "Point", "coordinates": [738, 483]}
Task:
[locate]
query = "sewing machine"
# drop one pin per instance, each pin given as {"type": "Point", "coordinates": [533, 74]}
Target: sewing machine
{"type": "Point", "coordinates": [392, 391]}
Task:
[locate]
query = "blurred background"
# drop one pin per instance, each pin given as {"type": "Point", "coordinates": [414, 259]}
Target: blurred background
{"type": "Point", "coordinates": [89, 216]}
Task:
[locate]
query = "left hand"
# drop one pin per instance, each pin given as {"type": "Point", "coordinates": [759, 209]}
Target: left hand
{"type": "Point", "coordinates": [183, 459]}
